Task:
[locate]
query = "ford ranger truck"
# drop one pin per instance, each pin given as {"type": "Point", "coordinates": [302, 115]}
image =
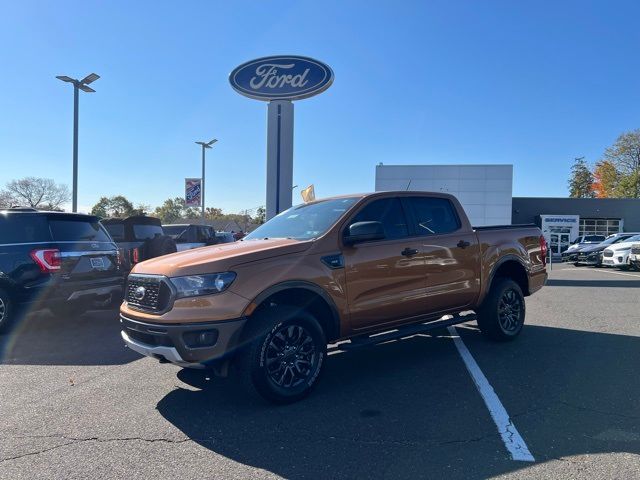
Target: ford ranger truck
{"type": "Point", "coordinates": [342, 268]}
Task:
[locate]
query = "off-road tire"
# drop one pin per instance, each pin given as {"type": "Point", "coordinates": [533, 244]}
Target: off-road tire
{"type": "Point", "coordinates": [502, 313]}
{"type": "Point", "coordinates": [6, 311]}
{"type": "Point", "coordinates": [159, 246]}
{"type": "Point", "coordinates": [256, 364]}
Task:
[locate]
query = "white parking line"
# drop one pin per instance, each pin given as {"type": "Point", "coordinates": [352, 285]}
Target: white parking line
{"type": "Point", "coordinates": [510, 436]}
{"type": "Point", "coordinates": [601, 270]}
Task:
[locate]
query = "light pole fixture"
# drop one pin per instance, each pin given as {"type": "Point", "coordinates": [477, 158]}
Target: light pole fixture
{"type": "Point", "coordinates": [204, 146]}
{"type": "Point", "coordinates": [77, 85]}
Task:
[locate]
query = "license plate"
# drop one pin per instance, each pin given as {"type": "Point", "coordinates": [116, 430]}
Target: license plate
{"type": "Point", "coordinates": [607, 261]}
{"type": "Point", "coordinates": [97, 262]}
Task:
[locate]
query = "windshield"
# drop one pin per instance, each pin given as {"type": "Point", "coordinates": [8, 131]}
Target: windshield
{"type": "Point", "coordinates": [635, 238]}
{"type": "Point", "coordinates": [78, 230]}
{"type": "Point", "coordinates": [174, 231]}
{"type": "Point", "coordinates": [303, 222]}
{"type": "Point", "coordinates": [146, 232]}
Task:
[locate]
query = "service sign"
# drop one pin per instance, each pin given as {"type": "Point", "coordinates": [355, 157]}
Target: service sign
{"type": "Point", "coordinates": [281, 77]}
{"type": "Point", "coordinates": [192, 192]}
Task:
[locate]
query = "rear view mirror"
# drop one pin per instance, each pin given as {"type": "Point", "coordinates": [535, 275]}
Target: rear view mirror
{"type": "Point", "coordinates": [364, 232]}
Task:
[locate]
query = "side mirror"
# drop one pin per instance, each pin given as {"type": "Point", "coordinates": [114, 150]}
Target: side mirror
{"type": "Point", "coordinates": [364, 232]}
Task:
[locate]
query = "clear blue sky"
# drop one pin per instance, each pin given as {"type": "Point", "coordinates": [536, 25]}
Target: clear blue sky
{"type": "Point", "coordinates": [530, 83]}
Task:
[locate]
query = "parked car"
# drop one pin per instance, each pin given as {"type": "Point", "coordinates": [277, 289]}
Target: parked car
{"type": "Point", "coordinates": [188, 236]}
{"type": "Point", "coordinates": [225, 237]}
{"type": "Point", "coordinates": [139, 238]}
{"type": "Point", "coordinates": [341, 268]}
{"type": "Point", "coordinates": [571, 253]}
{"type": "Point", "coordinates": [617, 255]}
{"type": "Point", "coordinates": [592, 255]}
{"type": "Point", "coordinates": [64, 261]}
{"type": "Point", "coordinates": [634, 256]}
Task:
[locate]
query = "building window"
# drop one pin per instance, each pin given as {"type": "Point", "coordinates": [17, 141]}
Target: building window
{"type": "Point", "coordinates": [600, 226]}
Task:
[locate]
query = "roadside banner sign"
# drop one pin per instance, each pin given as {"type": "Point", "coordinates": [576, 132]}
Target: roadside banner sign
{"type": "Point", "coordinates": [308, 194]}
{"type": "Point", "coordinates": [193, 192]}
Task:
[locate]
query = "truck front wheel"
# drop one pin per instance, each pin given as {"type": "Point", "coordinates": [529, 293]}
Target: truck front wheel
{"type": "Point", "coordinates": [284, 355]}
{"type": "Point", "coordinates": [502, 313]}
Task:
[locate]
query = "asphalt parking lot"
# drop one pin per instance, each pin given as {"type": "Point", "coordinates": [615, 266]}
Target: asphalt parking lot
{"type": "Point", "coordinates": [75, 403]}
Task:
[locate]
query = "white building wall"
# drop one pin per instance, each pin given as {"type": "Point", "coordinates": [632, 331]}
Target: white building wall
{"type": "Point", "coordinates": [485, 191]}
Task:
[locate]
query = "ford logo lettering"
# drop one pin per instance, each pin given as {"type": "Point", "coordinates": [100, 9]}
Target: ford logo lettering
{"type": "Point", "coordinates": [281, 77]}
{"type": "Point", "coordinates": [139, 293]}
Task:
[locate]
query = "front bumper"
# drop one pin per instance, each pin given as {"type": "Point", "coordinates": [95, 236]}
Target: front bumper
{"type": "Point", "coordinates": [590, 259]}
{"type": "Point", "coordinates": [617, 260]}
{"type": "Point", "coordinates": [177, 343]}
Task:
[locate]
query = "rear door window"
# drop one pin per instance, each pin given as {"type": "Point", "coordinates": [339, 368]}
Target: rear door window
{"type": "Point", "coordinates": [434, 216]}
{"type": "Point", "coordinates": [77, 231]}
{"type": "Point", "coordinates": [389, 212]}
{"type": "Point", "coordinates": [23, 228]}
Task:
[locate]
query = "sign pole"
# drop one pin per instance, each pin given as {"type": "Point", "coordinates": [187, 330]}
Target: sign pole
{"type": "Point", "coordinates": [279, 156]}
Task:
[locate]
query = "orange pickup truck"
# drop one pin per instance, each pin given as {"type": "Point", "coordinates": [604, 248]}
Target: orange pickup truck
{"type": "Point", "coordinates": [348, 267]}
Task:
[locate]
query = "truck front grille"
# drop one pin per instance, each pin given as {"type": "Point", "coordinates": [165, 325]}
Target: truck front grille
{"type": "Point", "coordinates": [149, 293]}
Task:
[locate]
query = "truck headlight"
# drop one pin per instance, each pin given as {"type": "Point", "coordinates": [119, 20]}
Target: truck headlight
{"type": "Point", "coordinates": [195, 285]}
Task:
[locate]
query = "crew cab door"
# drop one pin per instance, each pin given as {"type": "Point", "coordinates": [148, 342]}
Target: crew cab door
{"type": "Point", "coordinates": [451, 253]}
{"type": "Point", "coordinates": [385, 278]}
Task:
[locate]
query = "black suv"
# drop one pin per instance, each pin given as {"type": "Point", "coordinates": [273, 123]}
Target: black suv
{"type": "Point", "coordinates": [139, 238]}
{"type": "Point", "coordinates": [66, 262]}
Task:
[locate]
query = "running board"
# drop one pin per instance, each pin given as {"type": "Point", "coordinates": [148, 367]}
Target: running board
{"type": "Point", "coordinates": [406, 331]}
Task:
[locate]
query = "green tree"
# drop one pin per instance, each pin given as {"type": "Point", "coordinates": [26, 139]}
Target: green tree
{"type": "Point", "coordinates": [581, 181]}
{"type": "Point", "coordinates": [117, 206]}
{"type": "Point", "coordinates": [174, 209]}
{"type": "Point", "coordinates": [624, 154]}
{"type": "Point", "coordinates": [260, 217]}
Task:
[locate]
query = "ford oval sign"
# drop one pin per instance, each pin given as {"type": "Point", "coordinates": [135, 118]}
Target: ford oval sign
{"type": "Point", "coordinates": [281, 77]}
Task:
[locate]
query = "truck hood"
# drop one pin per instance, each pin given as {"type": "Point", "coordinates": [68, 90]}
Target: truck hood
{"type": "Point", "coordinates": [219, 258]}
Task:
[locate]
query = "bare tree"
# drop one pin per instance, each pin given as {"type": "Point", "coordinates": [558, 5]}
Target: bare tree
{"type": "Point", "coordinates": [36, 193]}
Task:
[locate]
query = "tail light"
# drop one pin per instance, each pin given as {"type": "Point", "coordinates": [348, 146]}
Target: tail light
{"type": "Point", "coordinates": [543, 250]}
{"type": "Point", "coordinates": [135, 255]}
{"type": "Point", "coordinates": [49, 259]}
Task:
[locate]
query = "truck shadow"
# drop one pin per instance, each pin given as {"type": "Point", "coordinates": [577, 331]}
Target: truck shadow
{"type": "Point", "coordinates": [409, 409]}
{"type": "Point", "coordinates": [41, 338]}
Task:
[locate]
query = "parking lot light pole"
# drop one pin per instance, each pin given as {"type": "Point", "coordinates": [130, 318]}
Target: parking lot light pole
{"type": "Point", "coordinates": [204, 145]}
{"type": "Point", "coordinates": [77, 85]}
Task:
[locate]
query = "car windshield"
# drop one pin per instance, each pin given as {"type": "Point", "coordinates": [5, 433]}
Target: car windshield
{"type": "Point", "coordinates": [116, 230]}
{"type": "Point", "coordinates": [635, 238]}
{"type": "Point", "coordinates": [78, 230]}
{"type": "Point", "coordinates": [303, 222]}
{"type": "Point", "coordinates": [174, 231]}
{"type": "Point", "coordinates": [146, 232]}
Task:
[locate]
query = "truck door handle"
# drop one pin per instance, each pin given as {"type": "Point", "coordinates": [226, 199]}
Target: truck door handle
{"type": "Point", "coordinates": [409, 252]}
{"type": "Point", "coordinates": [463, 244]}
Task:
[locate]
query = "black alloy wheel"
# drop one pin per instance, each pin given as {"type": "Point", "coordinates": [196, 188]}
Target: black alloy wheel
{"type": "Point", "coordinates": [510, 310]}
{"type": "Point", "coordinates": [290, 356]}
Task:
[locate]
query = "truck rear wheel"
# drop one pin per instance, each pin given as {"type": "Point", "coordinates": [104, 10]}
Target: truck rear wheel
{"type": "Point", "coordinates": [284, 355]}
{"type": "Point", "coordinates": [502, 313]}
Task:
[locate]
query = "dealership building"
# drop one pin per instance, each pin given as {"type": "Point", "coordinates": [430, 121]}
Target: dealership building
{"type": "Point", "coordinates": [485, 192]}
